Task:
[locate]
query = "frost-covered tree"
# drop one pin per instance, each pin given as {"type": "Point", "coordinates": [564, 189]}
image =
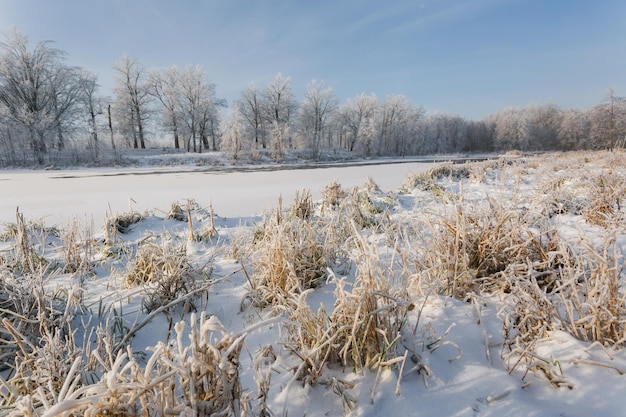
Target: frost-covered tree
{"type": "Point", "coordinates": [574, 130]}
{"type": "Point", "coordinates": [510, 129]}
{"type": "Point", "coordinates": [608, 125]}
{"type": "Point", "coordinates": [479, 136]}
{"type": "Point", "coordinates": [92, 105]}
{"type": "Point", "coordinates": [316, 110]}
{"type": "Point", "coordinates": [199, 109]}
{"type": "Point", "coordinates": [234, 141]}
{"type": "Point", "coordinates": [543, 126]}
{"type": "Point", "coordinates": [368, 134]}
{"type": "Point", "coordinates": [252, 107]}
{"type": "Point", "coordinates": [39, 93]}
{"type": "Point", "coordinates": [444, 133]}
{"type": "Point", "coordinates": [165, 86]}
{"type": "Point", "coordinates": [280, 108]}
{"type": "Point", "coordinates": [132, 100]}
{"type": "Point", "coordinates": [395, 112]}
{"type": "Point", "coordinates": [353, 115]}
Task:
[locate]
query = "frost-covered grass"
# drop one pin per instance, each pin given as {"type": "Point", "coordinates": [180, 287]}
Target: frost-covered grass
{"type": "Point", "coordinates": [490, 288]}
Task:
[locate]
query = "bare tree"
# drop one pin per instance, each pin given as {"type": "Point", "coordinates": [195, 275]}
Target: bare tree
{"type": "Point", "coordinates": [132, 99]}
{"type": "Point", "coordinates": [608, 128]}
{"type": "Point", "coordinates": [251, 105]}
{"type": "Point", "coordinates": [317, 107]}
{"type": "Point", "coordinates": [37, 91]}
{"type": "Point", "coordinates": [165, 86]}
{"type": "Point", "coordinates": [280, 107]}
{"type": "Point", "coordinates": [234, 138]}
{"type": "Point", "coordinates": [394, 113]}
{"type": "Point", "coordinates": [353, 114]}
{"type": "Point", "coordinates": [574, 130]}
{"type": "Point", "coordinates": [92, 105]}
{"type": "Point", "coordinates": [543, 126]}
{"type": "Point", "coordinates": [479, 137]}
{"type": "Point", "coordinates": [510, 129]}
{"type": "Point", "coordinates": [199, 108]}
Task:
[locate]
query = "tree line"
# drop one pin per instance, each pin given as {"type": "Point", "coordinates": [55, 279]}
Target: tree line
{"type": "Point", "coordinates": [51, 111]}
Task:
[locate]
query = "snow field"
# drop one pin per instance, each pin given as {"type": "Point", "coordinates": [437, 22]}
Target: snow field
{"type": "Point", "coordinates": [487, 289]}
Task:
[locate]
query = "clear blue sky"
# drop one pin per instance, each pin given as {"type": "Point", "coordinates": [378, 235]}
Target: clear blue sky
{"type": "Point", "coordinates": [469, 57]}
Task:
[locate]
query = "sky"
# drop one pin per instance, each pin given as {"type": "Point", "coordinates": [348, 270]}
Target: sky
{"type": "Point", "coordinates": [466, 57]}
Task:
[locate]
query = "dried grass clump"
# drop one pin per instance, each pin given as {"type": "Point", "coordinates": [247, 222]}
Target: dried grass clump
{"type": "Point", "coordinates": [333, 195]}
{"type": "Point", "coordinates": [240, 247]}
{"type": "Point", "coordinates": [530, 312]}
{"type": "Point", "coordinates": [180, 212]}
{"type": "Point", "coordinates": [450, 171]}
{"type": "Point", "coordinates": [302, 207]}
{"type": "Point", "coordinates": [290, 257]}
{"type": "Point", "coordinates": [207, 370]}
{"type": "Point", "coordinates": [597, 198]}
{"type": "Point", "coordinates": [27, 253]}
{"type": "Point", "coordinates": [77, 251]}
{"type": "Point", "coordinates": [470, 246]}
{"type": "Point", "coordinates": [368, 206]}
{"type": "Point", "coordinates": [177, 213]}
{"type": "Point", "coordinates": [41, 364]}
{"type": "Point", "coordinates": [592, 295]}
{"type": "Point", "coordinates": [36, 340]}
{"type": "Point", "coordinates": [561, 196]}
{"type": "Point", "coordinates": [201, 378]}
{"type": "Point", "coordinates": [121, 223]}
{"type": "Point", "coordinates": [363, 330]}
{"type": "Point", "coordinates": [424, 182]}
{"type": "Point", "coordinates": [24, 307]}
{"type": "Point", "coordinates": [166, 269]}
{"type": "Point", "coordinates": [578, 290]}
{"type": "Point", "coordinates": [458, 171]}
{"type": "Point", "coordinates": [607, 192]}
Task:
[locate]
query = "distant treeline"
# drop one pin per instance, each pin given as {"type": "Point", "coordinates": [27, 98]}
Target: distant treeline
{"type": "Point", "coordinates": [50, 111]}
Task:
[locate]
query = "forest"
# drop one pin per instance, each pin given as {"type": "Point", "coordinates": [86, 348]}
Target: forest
{"type": "Point", "coordinates": [52, 113]}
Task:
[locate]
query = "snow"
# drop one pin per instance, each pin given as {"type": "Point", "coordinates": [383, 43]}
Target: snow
{"type": "Point", "coordinates": [60, 196]}
{"type": "Point", "coordinates": [472, 382]}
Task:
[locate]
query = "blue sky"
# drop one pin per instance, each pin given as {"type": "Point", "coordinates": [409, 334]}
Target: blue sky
{"type": "Point", "coordinates": [468, 57]}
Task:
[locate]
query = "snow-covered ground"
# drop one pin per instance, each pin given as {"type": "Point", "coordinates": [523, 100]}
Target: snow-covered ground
{"type": "Point", "coordinates": [458, 361]}
{"type": "Point", "coordinates": [91, 194]}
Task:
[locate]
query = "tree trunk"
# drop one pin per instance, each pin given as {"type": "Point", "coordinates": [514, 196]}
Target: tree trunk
{"type": "Point", "coordinates": [111, 127]}
{"type": "Point", "coordinates": [140, 128]}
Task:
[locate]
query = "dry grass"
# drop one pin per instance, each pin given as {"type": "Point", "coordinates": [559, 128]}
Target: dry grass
{"type": "Point", "coordinates": [37, 343]}
{"type": "Point", "coordinates": [199, 378]}
{"type": "Point", "coordinates": [302, 207]}
{"type": "Point", "coordinates": [592, 294]}
{"type": "Point", "coordinates": [77, 249]}
{"type": "Point", "coordinates": [363, 330]}
{"type": "Point", "coordinates": [468, 247]}
{"type": "Point", "coordinates": [333, 195]}
{"type": "Point", "coordinates": [120, 223]}
{"type": "Point", "coordinates": [514, 255]}
{"type": "Point", "coordinates": [509, 251]}
{"type": "Point", "coordinates": [291, 256]}
{"type": "Point", "coordinates": [607, 193]}
{"type": "Point", "coordinates": [30, 242]}
{"type": "Point", "coordinates": [166, 270]}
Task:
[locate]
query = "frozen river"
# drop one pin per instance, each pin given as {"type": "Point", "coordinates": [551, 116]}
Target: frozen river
{"type": "Point", "coordinates": [89, 194]}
